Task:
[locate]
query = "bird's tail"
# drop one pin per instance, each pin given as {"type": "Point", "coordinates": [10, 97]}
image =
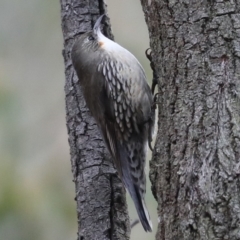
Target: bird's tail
{"type": "Point", "coordinates": [141, 210]}
{"type": "Point", "coordinates": [135, 191]}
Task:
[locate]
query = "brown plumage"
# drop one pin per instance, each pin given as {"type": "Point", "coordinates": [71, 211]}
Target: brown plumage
{"type": "Point", "coordinates": [119, 98]}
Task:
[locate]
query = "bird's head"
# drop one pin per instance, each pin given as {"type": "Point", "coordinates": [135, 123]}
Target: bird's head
{"type": "Point", "coordinates": [93, 40]}
{"type": "Point", "coordinates": [92, 47]}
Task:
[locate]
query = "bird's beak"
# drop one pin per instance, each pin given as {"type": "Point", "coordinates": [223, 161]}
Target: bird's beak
{"type": "Point", "coordinates": [97, 25]}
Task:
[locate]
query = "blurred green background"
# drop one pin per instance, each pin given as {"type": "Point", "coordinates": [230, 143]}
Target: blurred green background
{"type": "Point", "coordinates": [36, 188]}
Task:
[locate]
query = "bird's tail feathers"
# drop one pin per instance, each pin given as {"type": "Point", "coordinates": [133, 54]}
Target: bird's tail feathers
{"type": "Point", "coordinates": [135, 192]}
{"type": "Point", "coordinates": [142, 211]}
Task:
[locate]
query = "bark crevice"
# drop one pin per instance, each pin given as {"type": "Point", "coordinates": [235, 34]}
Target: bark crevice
{"type": "Point", "coordinates": [196, 49]}
{"type": "Point", "coordinates": [101, 203]}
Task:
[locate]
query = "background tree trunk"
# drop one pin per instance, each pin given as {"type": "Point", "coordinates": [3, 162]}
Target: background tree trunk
{"type": "Point", "coordinates": [101, 203]}
{"type": "Point", "coordinates": [196, 163]}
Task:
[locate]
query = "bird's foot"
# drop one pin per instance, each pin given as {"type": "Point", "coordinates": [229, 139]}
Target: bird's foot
{"type": "Point", "coordinates": [155, 102]}
{"type": "Point", "coordinates": [152, 120]}
{"type": "Point", "coordinates": [152, 65]}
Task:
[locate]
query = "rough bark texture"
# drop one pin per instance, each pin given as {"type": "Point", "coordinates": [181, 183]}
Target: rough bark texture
{"type": "Point", "coordinates": [101, 203]}
{"type": "Point", "coordinates": [196, 163]}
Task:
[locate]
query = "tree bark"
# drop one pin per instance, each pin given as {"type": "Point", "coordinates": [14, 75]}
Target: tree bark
{"type": "Point", "coordinates": [196, 163]}
{"type": "Point", "coordinates": [101, 203]}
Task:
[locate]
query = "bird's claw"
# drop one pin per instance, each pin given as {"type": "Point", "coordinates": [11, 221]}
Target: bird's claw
{"type": "Point", "coordinates": [155, 101]}
{"type": "Point", "coordinates": [152, 118]}
{"type": "Point", "coordinates": [150, 145]}
{"type": "Point", "coordinates": [155, 76]}
{"type": "Point", "coordinates": [149, 55]}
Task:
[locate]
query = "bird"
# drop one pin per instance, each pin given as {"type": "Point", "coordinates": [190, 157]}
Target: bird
{"type": "Point", "coordinates": [116, 91]}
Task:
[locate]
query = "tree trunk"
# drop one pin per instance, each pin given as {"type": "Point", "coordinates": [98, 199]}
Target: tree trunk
{"type": "Point", "coordinates": [101, 203]}
{"type": "Point", "coordinates": [196, 163]}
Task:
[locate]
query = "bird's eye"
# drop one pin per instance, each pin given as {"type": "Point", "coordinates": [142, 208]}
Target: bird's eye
{"type": "Point", "coordinates": [91, 38]}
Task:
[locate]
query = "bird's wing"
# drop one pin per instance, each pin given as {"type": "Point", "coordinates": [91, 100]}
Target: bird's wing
{"type": "Point", "coordinates": [126, 107]}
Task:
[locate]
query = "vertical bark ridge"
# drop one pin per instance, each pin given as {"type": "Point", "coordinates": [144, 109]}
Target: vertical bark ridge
{"type": "Point", "coordinates": [101, 204]}
{"type": "Point", "coordinates": [195, 166]}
